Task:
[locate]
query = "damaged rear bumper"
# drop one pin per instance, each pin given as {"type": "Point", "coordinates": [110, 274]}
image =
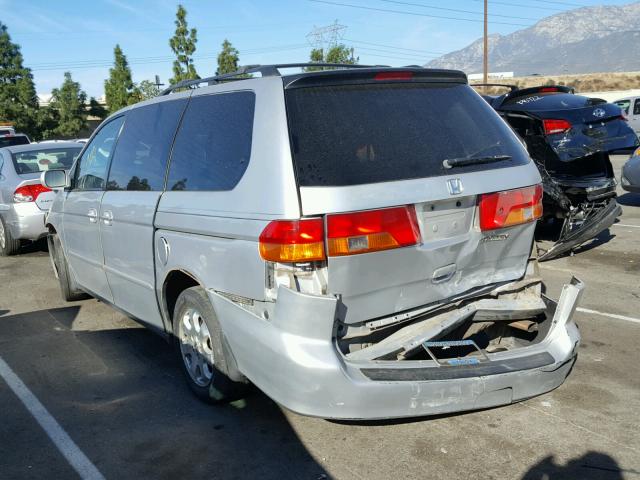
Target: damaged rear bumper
{"type": "Point", "coordinates": [293, 358]}
{"type": "Point", "coordinates": [590, 229]}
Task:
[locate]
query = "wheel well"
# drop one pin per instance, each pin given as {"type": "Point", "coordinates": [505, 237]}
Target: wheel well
{"type": "Point", "coordinates": [175, 283]}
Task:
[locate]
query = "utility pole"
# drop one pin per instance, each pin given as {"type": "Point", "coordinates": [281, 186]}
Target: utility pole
{"type": "Point", "coordinates": [485, 75]}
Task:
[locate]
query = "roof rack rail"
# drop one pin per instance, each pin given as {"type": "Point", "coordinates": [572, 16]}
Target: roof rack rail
{"type": "Point", "coordinates": [264, 70]}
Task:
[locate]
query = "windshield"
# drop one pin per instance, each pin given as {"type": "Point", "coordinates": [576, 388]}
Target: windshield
{"type": "Point", "coordinates": [13, 140]}
{"type": "Point", "coordinates": [368, 133]}
{"type": "Point", "coordinates": [34, 161]}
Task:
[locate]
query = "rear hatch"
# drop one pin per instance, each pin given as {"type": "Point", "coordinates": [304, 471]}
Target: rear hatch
{"type": "Point", "coordinates": [574, 126]}
{"type": "Point", "coordinates": [376, 142]}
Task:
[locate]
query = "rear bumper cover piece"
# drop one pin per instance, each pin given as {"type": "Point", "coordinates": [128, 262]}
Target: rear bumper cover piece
{"type": "Point", "coordinates": [293, 359]}
{"type": "Point", "coordinates": [591, 228]}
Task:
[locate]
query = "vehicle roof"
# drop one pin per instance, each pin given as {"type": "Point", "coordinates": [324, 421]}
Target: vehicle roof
{"type": "Point", "coordinates": [42, 146]}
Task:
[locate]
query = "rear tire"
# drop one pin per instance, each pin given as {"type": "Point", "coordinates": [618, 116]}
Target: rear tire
{"type": "Point", "coordinates": [70, 292]}
{"type": "Point", "coordinates": [199, 345]}
{"type": "Point", "coordinates": [8, 244]}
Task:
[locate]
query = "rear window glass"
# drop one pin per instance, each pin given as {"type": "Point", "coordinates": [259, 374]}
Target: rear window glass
{"type": "Point", "coordinates": [547, 101]}
{"type": "Point", "coordinates": [35, 161]}
{"type": "Point", "coordinates": [11, 141]}
{"type": "Point", "coordinates": [213, 144]}
{"type": "Point", "coordinates": [357, 134]}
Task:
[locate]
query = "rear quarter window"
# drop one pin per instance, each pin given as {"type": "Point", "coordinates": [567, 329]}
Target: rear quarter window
{"type": "Point", "coordinates": [368, 133]}
{"type": "Point", "coordinates": [213, 145]}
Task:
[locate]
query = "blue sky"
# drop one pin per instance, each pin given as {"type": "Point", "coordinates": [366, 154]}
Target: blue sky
{"type": "Point", "coordinates": [79, 36]}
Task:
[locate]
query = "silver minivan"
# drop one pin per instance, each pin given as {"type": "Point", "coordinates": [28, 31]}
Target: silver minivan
{"type": "Point", "coordinates": [356, 242]}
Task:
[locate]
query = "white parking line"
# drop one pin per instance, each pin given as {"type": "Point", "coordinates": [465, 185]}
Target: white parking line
{"type": "Point", "coordinates": [610, 315]}
{"type": "Point", "coordinates": [78, 460]}
{"type": "Point", "coordinates": [625, 225]}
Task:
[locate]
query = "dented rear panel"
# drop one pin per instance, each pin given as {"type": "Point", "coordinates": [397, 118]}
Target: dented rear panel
{"type": "Point", "coordinates": [385, 146]}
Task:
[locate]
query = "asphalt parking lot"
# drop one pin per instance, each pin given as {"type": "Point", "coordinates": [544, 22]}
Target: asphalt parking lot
{"type": "Point", "coordinates": [116, 390]}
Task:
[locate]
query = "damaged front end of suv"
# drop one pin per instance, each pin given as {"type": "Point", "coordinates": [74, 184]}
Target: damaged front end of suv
{"type": "Point", "coordinates": [570, 138]}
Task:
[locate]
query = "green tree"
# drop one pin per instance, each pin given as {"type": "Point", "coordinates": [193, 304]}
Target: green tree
{"type": "Point", "coordinates": [183, 44]}
{"type": "Point", "coordinates": [337, 54]}
{"type": "Point", "coordinates": [147, 89]}
{"type": "Point", "coordinates": [227, 59]}
{"type": "Point", "coordinates": [68, 102]}
{"type": "Point", "coordinates": [119, 89]}
{"type": "Point", "coordinates": [316, 56]}
{"type": "Point", "coordinates": [341, 54]}
{"type": "Point", "coordinates": [96, 109]}
{"type": "Point", "coordinates": [18, 99]}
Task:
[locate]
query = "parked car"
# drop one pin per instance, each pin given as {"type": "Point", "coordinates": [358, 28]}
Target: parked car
{"type": "Point", "coordinates": [356, 242]}
{"type": "Point", "coordinates": [631, 110]}
{"type": "Point", "coordinates": [10, 139]}
{"type": "Point", "coordinates": [630, 180]}
{"type": "Point", "coordinates": [7, 130]}
{"type": "Point", "coordinates": [23, 199]}
{"type": "Point", "coordinates": [569, 137]}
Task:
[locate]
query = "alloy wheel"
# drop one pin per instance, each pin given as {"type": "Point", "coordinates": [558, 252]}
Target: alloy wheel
{"type": "Point", "coordinates": [196, 347]}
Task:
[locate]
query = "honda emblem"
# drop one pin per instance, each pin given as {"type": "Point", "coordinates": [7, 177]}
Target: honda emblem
{"type": "Point", "coordinates": [455, 186]}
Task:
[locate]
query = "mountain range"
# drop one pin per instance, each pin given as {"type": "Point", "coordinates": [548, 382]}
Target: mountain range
{"type": "Point", "coordinates": [585, 40]}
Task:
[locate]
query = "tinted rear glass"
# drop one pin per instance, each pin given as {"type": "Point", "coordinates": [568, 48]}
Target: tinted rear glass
{"type": "Point", "coordinates": [35, 161]}
{"type": "Point", "coordinates": [213, 144]}
{"type": "Point", "coordinates": [356, 134]}
{"type": "Point", "coordinates": [11, 141]}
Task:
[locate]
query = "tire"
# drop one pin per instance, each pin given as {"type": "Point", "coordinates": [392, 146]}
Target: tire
{"type": "Point", "coordinates": [199, 344]}
{"type": "Point", "coordinates": [70, 292]}
{"type": "Point", "coordinates": [8, 244]}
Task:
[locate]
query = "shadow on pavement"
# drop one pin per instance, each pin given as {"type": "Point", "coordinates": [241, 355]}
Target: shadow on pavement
{"type": "Point", "coordinates": [629, 199]}
{"type": "Point", "coordinates": [591, 465]}
{"type": "Point", "coordinates": [603, 237]}
{"type": "Point", "coordinates": [122, 398]}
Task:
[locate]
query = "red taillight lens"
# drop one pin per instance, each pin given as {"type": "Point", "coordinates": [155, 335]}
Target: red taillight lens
{"type": "Point", "coordinates": [29, 193]}
{"type": "Point", "coordinates": [290, 241]}
{"type": "Point", "coordinates": [393, 76]}
{"type": "Point", "coordinates": [511, 207]}
{"type": "Point", "coordinates": [555, 126]}
{"type": "Point", "coordinates": [370, 231]}
{"type": "Point", "coordinates": [548, 89]}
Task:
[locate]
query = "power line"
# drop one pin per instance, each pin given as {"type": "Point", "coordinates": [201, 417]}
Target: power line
{"type": "Point", "coordinates": [85, 64]}
{"type": "Point", "coordinates": [421, 5]}
{"type": "Point", "coordinates": [563, 3]}
{"type": "Point", "coordinates": [402, 12]}
{"type": "Point", "coordinates": [393, 47]}
{"type": "Point", "coordinates": [521, 5]}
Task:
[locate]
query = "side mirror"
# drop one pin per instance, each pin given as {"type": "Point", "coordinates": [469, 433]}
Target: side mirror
{"type": "Point", "coordinates": [54, 179]}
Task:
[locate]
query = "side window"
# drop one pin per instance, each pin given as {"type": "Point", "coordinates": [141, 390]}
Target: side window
{"type": "Point", "coordinates": [91, 170]}
{"type": "Point", "coordinates": [213, 145]}
{"type": "Point", "coordinates": [140, 159]}
{"type": "Point", "coordinates": [636, 107]}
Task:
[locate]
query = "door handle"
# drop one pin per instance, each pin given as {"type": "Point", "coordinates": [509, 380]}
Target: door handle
{"type": "Point", "coordinates": [93, 215]}
{"type": "Point", "coordinates": [107, 217]}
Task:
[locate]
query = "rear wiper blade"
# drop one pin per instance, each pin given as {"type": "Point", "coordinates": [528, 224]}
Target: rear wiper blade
{"type": "Point", "coordinates": [462, 162]}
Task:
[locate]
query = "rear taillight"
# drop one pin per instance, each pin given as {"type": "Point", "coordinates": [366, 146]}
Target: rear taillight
{"type": "Point", "coordinates": [511, 207]}
{"type": "Point", "coordinates": [552, 126]}
{"type": "Point", "coordinates": [549, 89]}
{"type": "Point", "coordinates": [29, 193]}
{"type": "Point", "coordinates": [370, 231]}
{"type": "Point", "coordinates": [293, 241]}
